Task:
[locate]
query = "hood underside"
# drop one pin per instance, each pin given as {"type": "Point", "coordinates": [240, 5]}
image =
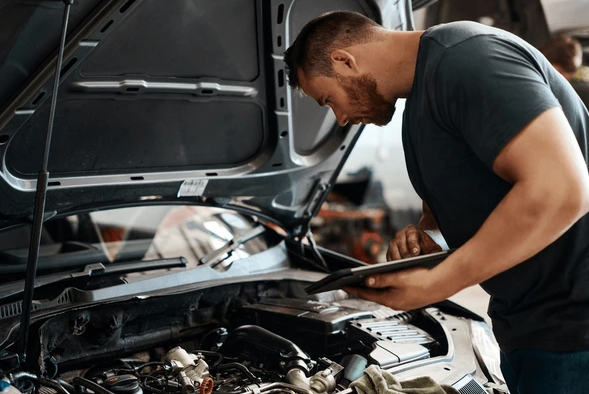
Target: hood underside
{"type": "Point", "coordinates": [183, 100]}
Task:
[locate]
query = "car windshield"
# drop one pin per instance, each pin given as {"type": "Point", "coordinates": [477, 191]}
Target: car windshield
{"type": "Point", "coordinates": [128, 234]}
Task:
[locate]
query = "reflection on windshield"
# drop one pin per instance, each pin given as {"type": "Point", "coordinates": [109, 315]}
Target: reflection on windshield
{"type": "Point", "coordinates": [139, 233]}
{"type": "Point", "coordinates": [218, 230]}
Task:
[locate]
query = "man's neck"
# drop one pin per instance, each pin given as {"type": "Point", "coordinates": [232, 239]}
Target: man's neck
{"type": "Point", "coordinates": [393, 61]}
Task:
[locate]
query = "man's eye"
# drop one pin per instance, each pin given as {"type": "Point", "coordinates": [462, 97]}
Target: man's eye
{"type": "Point", "coordinates": [327, 101]}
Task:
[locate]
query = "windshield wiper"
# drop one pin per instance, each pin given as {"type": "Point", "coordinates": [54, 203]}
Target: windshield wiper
{"type": "Point", "coordinates": [219, 255]}
{"type": "Point", "coordinates": [93, 270]}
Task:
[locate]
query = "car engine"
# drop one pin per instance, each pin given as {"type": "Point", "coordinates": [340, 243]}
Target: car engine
{"type": "Point", "coordinates": [270, 345]}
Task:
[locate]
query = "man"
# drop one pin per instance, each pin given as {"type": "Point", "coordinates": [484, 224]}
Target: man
{"type": "Point", "coordinates": [566, 55]}
{"type": "Point", "coordinates": [496, 145]}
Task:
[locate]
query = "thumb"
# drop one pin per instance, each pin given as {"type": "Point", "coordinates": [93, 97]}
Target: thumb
{"type": "Point", "coordinates": [379, 281]}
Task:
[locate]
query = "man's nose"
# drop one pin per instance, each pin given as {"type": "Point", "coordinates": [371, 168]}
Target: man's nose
{"type": "Point", "coordinates": [342, 119]}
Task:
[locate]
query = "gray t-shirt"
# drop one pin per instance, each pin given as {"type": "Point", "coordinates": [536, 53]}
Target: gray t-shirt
{"type": "Point", "coordinates": [582, 89]}
{"type": "Point", "coordinates": [475, 88]}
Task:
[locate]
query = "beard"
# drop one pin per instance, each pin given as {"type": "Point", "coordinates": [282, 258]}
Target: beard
{"type": "Point", "coordinates": [367, 102]}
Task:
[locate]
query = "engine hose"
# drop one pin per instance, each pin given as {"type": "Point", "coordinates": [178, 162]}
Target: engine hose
{"type": "Point", "coordinates": [272, 388]}
{"type": "Point", "coordinates": [276, 391]}
{"type": "Point", "coordinates": [241, 367]}
{"type": "Point", "coordinates": [279, 385]}
{"type": "Point", "coordinates": [268, 343]}
{"type": "Point", "coordinates": [98, 389]}
{"type": "Point", "coordinates": [354, 366]}
{"type": "Point", "coordinates": [55, 385]}
{"type": "Point", "coordinates": [66, 385]}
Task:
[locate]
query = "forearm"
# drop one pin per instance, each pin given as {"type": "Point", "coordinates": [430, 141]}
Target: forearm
{"type": "Point", "coordinates": [526, 221]}
{"type": "Point", "coordinates": [428, 224]}
{"type": "Point", "coordinates": [427, 221]}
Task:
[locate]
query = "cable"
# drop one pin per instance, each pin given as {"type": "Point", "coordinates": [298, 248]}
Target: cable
{"type": "Point", "coordinates": [150, 364]}
{"type": "Point", "coordinates": [66, 385]}
{"type": "Point", "coordinates": [151, 389]}
{"type": "Point", "coordinates": [316, 253]}
{"type": "Point", "coordinates": [210, 353]}
{"type": "Point", "coordinates": [241, 367]}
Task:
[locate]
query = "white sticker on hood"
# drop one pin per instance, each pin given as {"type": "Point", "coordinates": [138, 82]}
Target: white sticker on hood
{"type": "Point", "coordinates": [192, 187]}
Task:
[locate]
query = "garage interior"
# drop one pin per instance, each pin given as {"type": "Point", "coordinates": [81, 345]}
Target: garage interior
{"type": "Point", "coordinates": [169, 205]}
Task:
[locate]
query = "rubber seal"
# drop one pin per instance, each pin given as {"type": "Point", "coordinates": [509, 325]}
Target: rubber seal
{"type": "Point", "coordinates": [206, 386]}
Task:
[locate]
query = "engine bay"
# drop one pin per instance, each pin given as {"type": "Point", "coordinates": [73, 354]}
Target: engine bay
{"type": "Point", "coordinates": [228, 340]}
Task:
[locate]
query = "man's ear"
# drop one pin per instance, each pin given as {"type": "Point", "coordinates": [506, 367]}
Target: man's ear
{"type": "Point", "coordinates": [344, 63]}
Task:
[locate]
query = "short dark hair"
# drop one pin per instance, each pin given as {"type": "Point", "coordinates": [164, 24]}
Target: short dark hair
{"type": "Point", "coordinates": [311, 51]}
{"type": "Point", "coordinates": [563, 51]}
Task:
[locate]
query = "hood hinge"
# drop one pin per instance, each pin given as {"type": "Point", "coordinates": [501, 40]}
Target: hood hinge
{"type": "Point", "coordinates": [319, 193]}
{"type": "Point", "coordinates": [318, 196]}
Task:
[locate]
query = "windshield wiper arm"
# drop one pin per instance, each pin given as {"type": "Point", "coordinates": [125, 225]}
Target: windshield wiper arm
{"type": "Point", "coordinates": [219, 255]}
{"type": "Point", "coordinates": [93, 270]}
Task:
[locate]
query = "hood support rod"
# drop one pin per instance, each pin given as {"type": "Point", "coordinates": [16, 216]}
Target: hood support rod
{"type": "Point", "coordinates": [40, 198]}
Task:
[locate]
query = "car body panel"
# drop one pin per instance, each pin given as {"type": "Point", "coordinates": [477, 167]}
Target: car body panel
{"type": "Point", "coordinates": [168, 102]}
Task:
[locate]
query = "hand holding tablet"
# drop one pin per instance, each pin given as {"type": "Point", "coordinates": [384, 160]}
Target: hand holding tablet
{"type": "Point", "coordinates": [356, 276]}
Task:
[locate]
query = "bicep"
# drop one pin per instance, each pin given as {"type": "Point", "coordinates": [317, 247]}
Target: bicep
{"type": "Point", "coordinates": [545, 151]}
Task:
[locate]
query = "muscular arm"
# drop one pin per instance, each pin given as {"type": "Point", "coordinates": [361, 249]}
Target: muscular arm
{"type": "Point", "coordinates": [550, 193]}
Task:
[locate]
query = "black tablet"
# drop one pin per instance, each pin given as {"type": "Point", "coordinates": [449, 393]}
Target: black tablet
{"type": "Point", "coordinates": [356, 276]}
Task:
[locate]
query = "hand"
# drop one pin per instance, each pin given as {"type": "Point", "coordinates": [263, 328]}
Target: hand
{"type": "Point", "coordinates": [403, 290]}
{"type": "Point", "coordinates": [411, 242]}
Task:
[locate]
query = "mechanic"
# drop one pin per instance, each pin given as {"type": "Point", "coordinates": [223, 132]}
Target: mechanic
{"type": "Point", "coordinates": [495, 143]}
{"type": "Point", "coordinates": [566, 55]}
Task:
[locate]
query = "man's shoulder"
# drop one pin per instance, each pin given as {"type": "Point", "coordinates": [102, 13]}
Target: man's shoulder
{"type": "Point", "coordinates": [582, 89]}
{"type": "Point", "coordinates": [470, 46]}
{"type": "Point", "coordinates": [449, 35]}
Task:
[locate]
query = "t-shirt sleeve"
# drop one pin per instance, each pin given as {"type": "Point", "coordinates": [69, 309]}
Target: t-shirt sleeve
{"type": "Point", "coordinates": [487, 91]}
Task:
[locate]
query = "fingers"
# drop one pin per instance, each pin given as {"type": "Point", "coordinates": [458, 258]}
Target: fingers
{"type": "Point", "coordinates": [394, 279]}
{"type": "Point", "coordinates": [402, 290]}
{"type": "Point", "coordinates": [405, 244]}
{"type": "Point", "coordinates": [375, 295]}
{"type": "Point", "coordinates": [380, 281]}
{"type": "Point", "coordinates": [393, 252]}
{"type": "Point", "coordinates": [401, 241]}
{"type": "Point", "coordinates": [413, 241]}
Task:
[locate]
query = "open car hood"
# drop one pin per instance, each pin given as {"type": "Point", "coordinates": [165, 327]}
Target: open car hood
{"type": "Point", "coordinates": [183, 100]}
